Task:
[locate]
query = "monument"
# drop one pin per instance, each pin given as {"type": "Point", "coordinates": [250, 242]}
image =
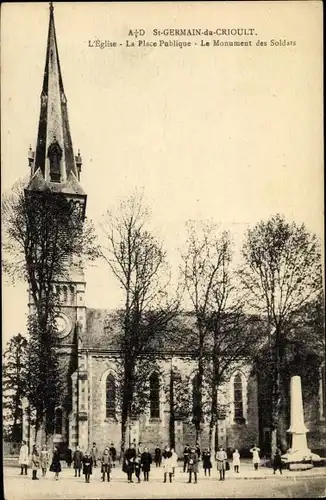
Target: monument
{"type": "Point", "coordinates": [299, 456]}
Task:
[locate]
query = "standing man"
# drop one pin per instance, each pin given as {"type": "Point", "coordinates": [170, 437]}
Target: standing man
{"type": "Point", "coordinates": [255, 456]}
{"type": "Point", "coordinates": [23, 458]}
{"type": "Point", "coordinates": [78, 460]}
{"type": "Point", "coordinates": [186, 453]}
{"type": "Point", "coordinates": [94, 454]}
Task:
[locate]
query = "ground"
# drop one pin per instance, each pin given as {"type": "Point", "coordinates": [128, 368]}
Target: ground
{"type": "Point", "coordinates": [247, 484]}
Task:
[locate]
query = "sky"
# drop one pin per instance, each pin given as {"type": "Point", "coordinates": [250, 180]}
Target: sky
{"type": "Point", "coordinates": [232, 135]}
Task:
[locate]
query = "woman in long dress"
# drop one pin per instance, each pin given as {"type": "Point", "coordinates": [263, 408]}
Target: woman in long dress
{"type": "Point", "coordinates": [255, 456]}
{"type": "Point", "coordinates": [236, 460]}
{"type": "Point", "coordinates": [23, 458]}
{"type": "Point", "coordinates": [55, 464]}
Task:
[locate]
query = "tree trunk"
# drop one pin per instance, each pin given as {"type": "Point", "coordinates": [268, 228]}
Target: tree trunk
{"type": "Point", "coordinates": [172, 412]}
{"type": "Point", "coordinates": [127, 396]}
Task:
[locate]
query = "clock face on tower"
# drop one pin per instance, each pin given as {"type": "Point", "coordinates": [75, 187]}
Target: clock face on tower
{"type": "Point", "coordinates": [63, 325]}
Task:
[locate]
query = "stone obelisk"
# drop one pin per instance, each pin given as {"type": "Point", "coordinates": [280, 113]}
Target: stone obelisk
{"type": "Point", "coordinates": [299, 451]}
{"type": "Point", "coordinates": [297, 427]}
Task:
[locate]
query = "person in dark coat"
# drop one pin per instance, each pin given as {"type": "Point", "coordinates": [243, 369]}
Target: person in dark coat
{"type": "Point", "coordinates": [87, 466]}
{"type": "Point", "coordinates": [106, 464]}
{"type": "Point", "coordinates": [55, 464]}
{"type": "Point", "coordinates": [113, 453]}
{"type": "Point", "coordinates": [129, 462]}
{"type": "Point", "coordinates": [277, 462]}
{"type": "Point", "coordinates": [69, 458]}
{"type": "Point", "coordinates": [146, 460]}
{"type": "Point", "coordinates": [78, 461]}
{"type": "Point", "coordinates": [158, 457]}
{"type": "Point", "coordinates": [186, 452]}
{"type": "Point", "coordinates": [193, 464]}
{"type": "Point", "coordinates": [207, 463]}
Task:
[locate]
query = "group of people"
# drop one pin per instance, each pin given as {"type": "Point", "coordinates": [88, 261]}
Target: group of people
{"type": "Point", "coordinates": [81, 461]}
{"type": "Point", "coordinates": [136, 460]}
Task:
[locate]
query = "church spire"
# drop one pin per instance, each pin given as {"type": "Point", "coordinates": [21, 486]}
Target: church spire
{"type": "Point", "coordinates": [54, 156]}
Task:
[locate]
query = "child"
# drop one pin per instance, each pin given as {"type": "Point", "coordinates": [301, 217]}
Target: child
{"type": "Point", "coordinates": [236, 460]}
{"type": "Point", "coordinates": [221, 458]}
{"type": "Point", "coordinates": [193, 464]}
{"type": "Point", "coordinates": [106, 464]}
{"type": "Point", "coordinates": [35, 461]}
{"type": "Point", "coordinates": [44, 460]}
{"type": "Point", "coordinates": [87, 466]}
{"type": "Point", "coordinates": [167, 463]}
{"type": "Point", "coordinates": [207, 464]}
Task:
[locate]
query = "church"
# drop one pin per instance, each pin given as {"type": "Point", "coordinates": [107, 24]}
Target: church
{"type": "Point", "coordinates": [89, 411]}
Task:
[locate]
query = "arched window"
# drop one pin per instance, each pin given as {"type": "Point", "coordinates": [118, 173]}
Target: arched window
{"type": "Point", "coordinates": [195, 398]}
{"type": "Point", "coordinates": [154, 395]}
{"type": "Point", "coordinates": [110, 396]}
{"type": "Point", "coordinates": [58, 421]}
{"type": "Point", "coordinates": [238, 403]}
{"type": "Point", "coordinates": [65, 294]}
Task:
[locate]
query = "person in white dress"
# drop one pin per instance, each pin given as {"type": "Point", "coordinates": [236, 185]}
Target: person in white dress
{"type": "Point", "coordinates": [23, 458]}
{"type": "Point", "coordinates": [167, 463]}
{"type": "Point", "coordinates": [236, 460]}
{"type": "Point", "coordinates": [174, 461]}
{"type": "Point", "coordinates": [255, 456]}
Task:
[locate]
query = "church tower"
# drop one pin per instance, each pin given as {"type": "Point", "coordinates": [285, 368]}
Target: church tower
{"type": "Point", "coordinates": [53, 166]}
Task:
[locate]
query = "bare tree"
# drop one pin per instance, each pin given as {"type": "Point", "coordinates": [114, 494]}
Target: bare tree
{"type": "Point", "coordinates": [138, 262]}
{"type": "Point", "coordinates": [44, 237]}
{"type": "Point", "coordinates": [226, 336]}
{"type": "Point", "coordinates": [281, 273]}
